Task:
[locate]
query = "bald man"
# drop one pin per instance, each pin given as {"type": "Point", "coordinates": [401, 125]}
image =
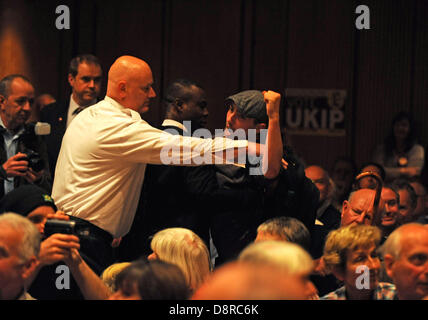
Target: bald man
{"type": "Point", "coordinates": [104, 153]}
{"type": "Point", "coordinates": [359, 208]}
{"type": "Point", "coordinates": [406, 260]}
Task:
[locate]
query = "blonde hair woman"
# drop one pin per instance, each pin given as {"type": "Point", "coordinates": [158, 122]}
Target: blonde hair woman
{"type": "Point", "coordinates": [185, 249]}
{"type": "Point", "coordinates": [351, 254]}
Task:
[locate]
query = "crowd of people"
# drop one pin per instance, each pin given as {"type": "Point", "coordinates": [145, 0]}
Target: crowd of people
{"type": "Point", "coordinates": [92, 210]}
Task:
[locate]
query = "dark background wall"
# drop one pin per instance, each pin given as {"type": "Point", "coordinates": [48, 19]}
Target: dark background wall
{"type": "Point", "coordinates": [232, 45]}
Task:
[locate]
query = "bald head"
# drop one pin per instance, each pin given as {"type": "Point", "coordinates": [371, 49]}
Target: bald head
{"type": "Point", "coordinates": [359, 208]}
{"type": "Point", "coordinates": [130, 82]}
{"type": "Point", "coordinates": [406, 260]}
{"type": "Point", "coordinates": [244, 281]}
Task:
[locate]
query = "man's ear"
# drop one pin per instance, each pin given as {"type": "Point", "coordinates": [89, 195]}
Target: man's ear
{"type": "Point", "coordinates": [29, 268]}
{"type": "Point", "coordinates": [178, 103]}
{"type": "Point", "coordinates": [345, 206]}
{"type": "Point", "coordinates": [71, 80]}
{"type": "Point", "coordinates": [388, 261]}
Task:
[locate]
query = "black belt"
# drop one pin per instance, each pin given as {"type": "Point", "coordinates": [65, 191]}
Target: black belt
{"type": "Point", "coordinates": [93, 229]}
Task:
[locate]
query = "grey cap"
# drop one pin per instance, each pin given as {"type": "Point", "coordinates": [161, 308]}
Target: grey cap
{"type": "Point", "coordinates": [250, 104]}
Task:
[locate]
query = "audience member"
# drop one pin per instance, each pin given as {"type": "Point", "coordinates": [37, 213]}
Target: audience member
{"type": "Point", "coordinates": [406, 260]}
{"type": "Point", "coordinates": [350, 253]}
{"type": "Point", "coordinates": [19, 142]}
{"type": "Point", "coordinates": [408, 201]}
{"type": "Point", "coordinates": [343, 172]}
{"type": "Point", "coordinates": [151, 280]}
{"type": "Point", "coordinates": [109, 275]}
{"type": "Point", "coordinates": [40, 102]}
{"type": "Point", "coordinates": [359, 208]}
{"type": "Point", "coordinates": [288, 257]}
{"type": "Point", "coordinates": [174, 196]}
{"type": "Point", "coordinates": [185, 249]}
{"type": "Point", "coordinates": [421, 209]}
{"type": "Point", "coordinates": [282, 191]}
{"type": "Point", "coordinates": [389, 221]}
{"type": "Point", "coordinates": [35, 204]}
{"type": "Point", "coordinates": [19, 250]}
{"type": "Point", "coordinates": [84, 78]}
{"type": "Point", "coordinates": [246, 281]}
{"type": "Point", "coordinates": [327, 214]}
{"type": "Point", "coordinates": [284, 229]}
{"type": "Point", "coordinates": [400, 154]}
{"type": "Point", "coordinates": [115, 146]}
{"type": "Point", "coordinates": [369, 182]}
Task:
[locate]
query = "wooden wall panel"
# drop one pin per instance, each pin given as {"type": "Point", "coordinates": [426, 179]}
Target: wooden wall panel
{"type": "Point", "coordinates": [420, 71]}
{"type": "Point", "coordinates": [205, 46]}
{"type": "Point", "coordinates": [383, 73]}
{"type": "Point", "coordinates": [34, 46]}
{"type": "Point", "coordinates": [232, 45]}
{"type": "Point", "coordinates": [320, 56]}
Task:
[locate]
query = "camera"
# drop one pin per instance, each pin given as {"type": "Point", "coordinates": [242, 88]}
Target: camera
{"type": "Point", "coordinates": [35, 162]}
{"type": "Point", "coordinates": [53, 226]}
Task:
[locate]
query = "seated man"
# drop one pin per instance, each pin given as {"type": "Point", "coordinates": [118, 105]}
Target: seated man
{"type": "Point", "coordinates": [326, 212]}
{"type": "Point", "coordinates": [389, 220]}
{"type": "Point", "coordinates": [284, 229]}
{"type": "Point", "coordinates": [34, 203]}
{"type": "Point", "coordinates": [359, 208]}
{"type": "Point", "coordinates": [408, 201]}
{"type": "Point", "coordinates": [406, 261]}
{"type": "Point", "coordinates": [288, 257]}
{"type": "Point", "coordinates": [19, 249]}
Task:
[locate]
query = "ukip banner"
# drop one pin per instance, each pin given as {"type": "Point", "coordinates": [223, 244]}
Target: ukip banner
{"type": "Point", "coordinates": [315, 112]}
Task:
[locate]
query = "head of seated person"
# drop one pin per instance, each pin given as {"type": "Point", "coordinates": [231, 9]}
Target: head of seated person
{"type": "Point", "coordinates": [284, 229]}
{"type": "Point", "coordinates": [405, 255]}
{"type": "Point", "coordinates": [109, 275]}
{"type": "Point", "coordinates": [242, 280]}
{"type": "Point", "coordinates": [185, 249]}
{"type": "Point", "coordinates": [359, 209]}
{"type": "Point", "coordinates": [351, 250]}
{"type": "Point", "coordinates": [289, 258]}
{"type": "Point", "coordinates": [19, 250]}
{"type": "Point", "coordinates": [30, 201]}
{"type": "Point", "coordinates": [151, 280]}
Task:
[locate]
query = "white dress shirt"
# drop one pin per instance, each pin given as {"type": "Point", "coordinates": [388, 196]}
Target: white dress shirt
{"type": "Point", "coordinates": [103, 157]}
{"type": "Point", "coordinates": [73, 106]}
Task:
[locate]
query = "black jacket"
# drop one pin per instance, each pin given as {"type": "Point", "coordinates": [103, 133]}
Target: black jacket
{"type": "Point", "coordinates": [35, 143]}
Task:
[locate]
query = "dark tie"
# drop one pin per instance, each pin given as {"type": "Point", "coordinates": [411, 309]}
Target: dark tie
{"type": "Point", "coordinates": [77, 110]}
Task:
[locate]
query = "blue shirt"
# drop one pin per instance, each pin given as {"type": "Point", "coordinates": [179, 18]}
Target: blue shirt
{"type": "Point", "coordinates": [11, 145]}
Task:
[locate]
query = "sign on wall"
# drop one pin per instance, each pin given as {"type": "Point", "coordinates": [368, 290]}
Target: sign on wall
{"type": "Point", "coordinates": [315, 112]}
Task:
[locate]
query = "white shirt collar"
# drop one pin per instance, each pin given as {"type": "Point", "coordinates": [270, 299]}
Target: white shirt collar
{"type": "Point", "coordinates": [173, 123]}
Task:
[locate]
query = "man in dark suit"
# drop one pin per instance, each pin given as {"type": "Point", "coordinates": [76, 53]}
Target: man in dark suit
{"type": "Point", "coordinates": [18, 140]}
{"type": "Point", "coordinates": [174, 196]}
{"type": "Point", "coordinates": [84, 78]}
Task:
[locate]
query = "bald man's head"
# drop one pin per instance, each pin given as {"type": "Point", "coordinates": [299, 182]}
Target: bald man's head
{"type": "Point", "coordinates": [359, 208]}
{"type": "Point", "coordinates": [130, 82]}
